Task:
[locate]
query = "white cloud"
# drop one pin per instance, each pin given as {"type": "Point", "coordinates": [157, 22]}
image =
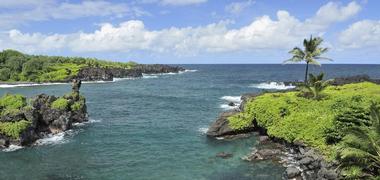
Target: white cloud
{"type": "Point", "coordinates": [173, 2]}
{"type": "Point", "coordinates": [27, 10]}
{"type": "Point", "coordinates": [283, 32]}
{"type": "Point", "coordinates": [238, 7]}
{"type": "Point", "coordinates": [23, 3]}
{"type": "Point", "coordinates": [182, 2]}
{"type": "Point", "coordinates": [362, 34]}
{"type": "Point", "coordinates": [332, 12]}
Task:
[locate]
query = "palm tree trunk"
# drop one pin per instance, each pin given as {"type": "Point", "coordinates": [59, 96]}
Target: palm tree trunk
{"type": "Point", "coordinates": [306, 72]}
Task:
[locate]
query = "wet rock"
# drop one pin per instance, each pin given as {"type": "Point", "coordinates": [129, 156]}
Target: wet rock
{"type": "Point", "coordinates": [4, 141]}
{"type": "Point", "coordinates": [293, 172]}
{"type": "Point", "coordinates": [263, 139]}
{"type": "Point", "coordinates": [224, 155]}
{"type": "Point", "coordinates": [28, 136]}
{"type": "Point", "coordinates": [327, 174]}
{"type": "Point", "coordinates": [231, 104]}
{"type": "Point", "coordinates": [264, 154]}
{"type": "Point", "coordinates": [62, 123]}
{"type": "Point", "coordinates": [306, 161]}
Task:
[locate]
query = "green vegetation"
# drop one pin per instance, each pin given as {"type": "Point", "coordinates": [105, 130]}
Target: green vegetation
{"type": "Point", "coordinates": [344, 125]}
{"type": "Point", "coordinates": [360, 148]}
{"type": "Point", "coordinates": [16, 66]}
{"type": "Point", "coordinates": [60, 104]}
{"type": "Point", "coordinates": [310, 54]}
{"type": "Point", "coordinates": [11, 105]}
{"type": "Point", "coordinates": [13, 129]}
{"type": "Point", "coordinates": [294, 118]}
{"type": "Point", "coordinates": [9, 101]}
{"type": "Point", "coordinates": [315, 86]}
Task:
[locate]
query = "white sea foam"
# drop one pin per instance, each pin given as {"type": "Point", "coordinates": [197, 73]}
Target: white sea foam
{"type": "Point", "coordinates": [272, 85]}
{"type": "Point", "coordinates": [203, 130]}
{"type": "Point", "coordinates": [146, 76]}
{"type": "Point", "coordinates": [90, 121]}
{"type": "Point", "coordinates": [191, 70]}
{"type": "Point", "coordinates": [28, 85]}
{"type": "Point", "coordinates": [12, 148]}
{"type": "Point", "coordinates": [50, 139]}
{"type": "Point", "coordinates": [122, 79]}
{"type": "Point", "coordinates": [228, 107]}
{"type": "Point", "coordinates": [234, 99]}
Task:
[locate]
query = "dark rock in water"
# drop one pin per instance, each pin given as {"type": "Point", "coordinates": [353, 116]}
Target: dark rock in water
{"type": "Point", "coordinates": [94, 74]}
{"type": "Point", "coordinates": [293, 172]}
{"type": "Point", "coordinates": [353, 79]}
{"type": "Point", "coordinates": [158, 68]}
{"type": "Point", "coordinates": [224, 155]}
{"type": "Point", "coordinates": [76, 85]}
{"type": "Point", "coordinates": [28, 136]}
{"type": "Point", "coordinates": [221, 126]}
{"type": "Point", "coordinates": [4, 141]}
{"type": "Point", "coordinates": [62, 123]}
{"type": "Point", "coordinates": [231, 104]}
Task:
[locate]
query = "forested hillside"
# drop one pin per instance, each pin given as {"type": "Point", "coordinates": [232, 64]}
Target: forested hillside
{"type": "Point", "coordinates": [16, 66]}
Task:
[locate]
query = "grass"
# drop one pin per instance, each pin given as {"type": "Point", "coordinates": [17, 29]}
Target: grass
{"type": "Point", "coordinates": [293, 118]}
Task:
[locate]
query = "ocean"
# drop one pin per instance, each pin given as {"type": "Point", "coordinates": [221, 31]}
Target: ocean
{"type": "Point", "coordinates": [154, 127]}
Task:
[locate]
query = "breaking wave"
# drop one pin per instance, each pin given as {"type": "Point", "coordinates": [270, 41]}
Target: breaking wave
{"type": "Point", "coordinates": [272, 85]}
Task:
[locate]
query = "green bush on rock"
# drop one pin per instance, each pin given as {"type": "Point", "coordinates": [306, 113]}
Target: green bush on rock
{"type": "Point", "coordinates": [13, 129]}
{"type": "Point", "coordinates": [60, 104]}
{"type": "Point", "coordinates": [9, 101]}
{"type": "Point", "coordinates": [294, 118]}
{"type": "Point", "coordinates": [77, 106]}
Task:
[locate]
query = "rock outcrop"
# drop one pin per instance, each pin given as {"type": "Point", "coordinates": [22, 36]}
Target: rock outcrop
{"type": "Point", "coordinates": [301, 162]}
{"type": "Point", "coordinates": [221, 126]}
{"type": "Point", "coordinates": [353, 79]}
{"type": "Point", "coordinates": [45, 115]}
{"type": "Point", "coordinates": [108, 73]}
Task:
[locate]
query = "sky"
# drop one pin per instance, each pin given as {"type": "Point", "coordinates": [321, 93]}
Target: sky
{"type": "Point", "coordinates": [191, 31]}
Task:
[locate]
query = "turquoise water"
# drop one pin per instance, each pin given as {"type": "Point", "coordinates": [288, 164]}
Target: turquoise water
{"type": "Point", "coordinates": [153, 128]}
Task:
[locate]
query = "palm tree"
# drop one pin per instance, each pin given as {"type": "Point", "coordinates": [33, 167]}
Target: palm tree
{"type": "Point", "coordinates": [310, 54]}
{"type": "Point", "coordinates": [316, 85]}
{"type": "Point", "coordinates": [361, 147]}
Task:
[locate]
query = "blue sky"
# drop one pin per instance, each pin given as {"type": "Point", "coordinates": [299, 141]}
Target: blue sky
{"type": "Point", "coordinates": [191, 31]}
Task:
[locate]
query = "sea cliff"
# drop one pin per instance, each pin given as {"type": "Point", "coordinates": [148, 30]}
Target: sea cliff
{"type": "Point", "coordinates": [23, 121]}
{"type": "Point", "coordinates": [302, 134]}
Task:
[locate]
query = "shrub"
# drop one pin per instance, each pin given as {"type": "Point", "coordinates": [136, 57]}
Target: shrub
{"type": "Point", "coordinates": [60, 104]}
{"type": "Point", "coordinates": [77, 106]}
{"type": "Point", "coordinates": [9, 101]}
{"type": "Point", "coordinates": [287, 116]}
{"type": "Point", "coordinates": [13, 129]}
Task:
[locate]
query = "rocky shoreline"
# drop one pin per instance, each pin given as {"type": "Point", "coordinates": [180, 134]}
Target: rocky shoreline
{"type": "Point", "coordinates": [45, 115]}
{"type": "Point", "coordinates": [107, 74]}
{"type": "Point", "coordinates": [301, 162]}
